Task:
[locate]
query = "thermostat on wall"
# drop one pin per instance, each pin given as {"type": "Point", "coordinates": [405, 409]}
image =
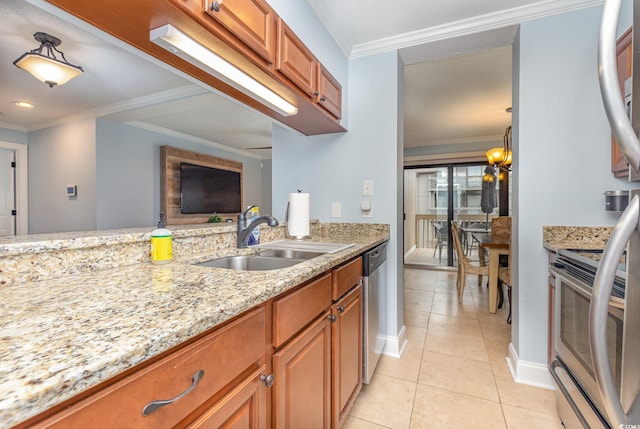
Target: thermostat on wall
{"type": "Point", "coordinates": [72, 190]}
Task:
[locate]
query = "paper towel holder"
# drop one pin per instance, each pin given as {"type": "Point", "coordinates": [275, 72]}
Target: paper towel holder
{"type": "Point", "coordinates": [286, 229]}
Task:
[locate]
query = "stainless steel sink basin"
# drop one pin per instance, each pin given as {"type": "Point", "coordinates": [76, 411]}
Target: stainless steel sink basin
{"type": "Point", "coordinates": [289, 254]}
{"type": "Point", "coordinates": [251, 263]}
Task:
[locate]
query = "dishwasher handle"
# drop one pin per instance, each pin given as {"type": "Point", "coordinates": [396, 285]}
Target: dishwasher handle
{"type": "Point", "coordinates": [373, 259]}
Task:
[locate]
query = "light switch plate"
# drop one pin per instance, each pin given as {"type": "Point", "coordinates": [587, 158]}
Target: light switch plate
{"type": "Point", "coordinates": [336, 209]}
{"type": "Point", "coordinates": [367, 188]}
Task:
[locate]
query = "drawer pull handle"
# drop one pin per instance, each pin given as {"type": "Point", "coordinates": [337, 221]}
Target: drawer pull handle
{"type": "Point", "coordinates": [333, 318]}
{"type": "Point", "coordinates": [215, 6]}
{"type": "Point", "coordinates": [154, 405]}
{"type": "Point", "coordinates": [268, 379]}
{"type": "Point", "coordinates": [341, 309]}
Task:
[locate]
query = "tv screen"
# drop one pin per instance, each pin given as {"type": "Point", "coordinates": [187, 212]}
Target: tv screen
{"type": "Point", "coordinates": [209, 190]}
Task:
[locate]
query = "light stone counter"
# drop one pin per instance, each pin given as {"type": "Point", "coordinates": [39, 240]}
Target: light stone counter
{"type": "Point", "coordinates": [62, 335]}
{"type": "Point", "coordinates": [575, 237]}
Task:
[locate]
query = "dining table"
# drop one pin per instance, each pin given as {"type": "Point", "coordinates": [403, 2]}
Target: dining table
{"type": "Point", "coordinates": [495, 245]}
{"type": "Point", "coordinates": [467, 240]}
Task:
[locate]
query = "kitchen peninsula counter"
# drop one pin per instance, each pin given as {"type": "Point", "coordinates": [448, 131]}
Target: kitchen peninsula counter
{"type": "Point", "coordinates": [63, 335]}
{"type": "Point", "coordinates": [575, 237]}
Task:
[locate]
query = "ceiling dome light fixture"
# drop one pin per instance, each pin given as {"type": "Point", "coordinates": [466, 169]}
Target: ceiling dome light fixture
{"type": "Point", "coordinates": [45, 66]}
{"type": "Point", "coordinates": [24, 104]}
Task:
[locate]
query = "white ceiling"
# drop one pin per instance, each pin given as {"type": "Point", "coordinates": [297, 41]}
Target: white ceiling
{"type": "Point", "coordinates": [457, 80]}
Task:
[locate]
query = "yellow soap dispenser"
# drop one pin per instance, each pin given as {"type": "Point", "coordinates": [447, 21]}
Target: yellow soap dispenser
{"type": "Point", "coordinates": [161, 243]}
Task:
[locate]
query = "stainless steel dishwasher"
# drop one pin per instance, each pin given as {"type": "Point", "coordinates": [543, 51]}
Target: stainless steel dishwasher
{"type": "Point", "coordinates": [374, 273]}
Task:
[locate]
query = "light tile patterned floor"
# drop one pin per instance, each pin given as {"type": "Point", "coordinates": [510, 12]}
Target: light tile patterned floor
{"type": "Point", "coordinates": [453, 373]}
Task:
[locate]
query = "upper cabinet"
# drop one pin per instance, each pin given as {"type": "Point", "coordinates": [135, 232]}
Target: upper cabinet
{"type": "Point", "coordinates": [329, 93]}
{"type": "Point", "coordinates": [242, 32]}
{"type": "Point", "coordinates": [251, 21]}
{"type": "Point", "coordinates": [296, 62]}
{"type": "Point", "coordinates": [624, 53]}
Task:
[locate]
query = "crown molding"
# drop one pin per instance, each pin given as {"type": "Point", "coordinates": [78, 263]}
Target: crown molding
{"type": "Point", "coordinates": [471, 25]}
{"type": "Point", "coordinates": [134, 103]}
{"type": "Point", "coordinates": [13, 127]}
{"type": "Point", "coordinates": [194, 139]}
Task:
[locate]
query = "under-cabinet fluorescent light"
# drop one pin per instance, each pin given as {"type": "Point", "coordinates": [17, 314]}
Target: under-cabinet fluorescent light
{"type": "Point", "coordinates": [175, 41]}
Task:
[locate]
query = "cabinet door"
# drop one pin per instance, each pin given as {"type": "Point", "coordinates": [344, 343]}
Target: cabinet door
{"type": "Point", "coordinates": [245, 407]}
{"type": "Point", "coordinates": [295, 61]}
{"type": "Point", "coordinates": [301, 392]}
{"type": "Point", "coordinates": [329, 92]}
{"type": "Point", "coordinates": [223, 355]}
{"type": "Point", "coordinates": [251, 21]}
{"type": "Point", "coordinates": [346, 355]}
{"type": "Point", "coordinates": [619, 164]}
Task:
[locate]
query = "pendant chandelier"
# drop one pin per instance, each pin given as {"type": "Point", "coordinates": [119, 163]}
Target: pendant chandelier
{"type": "Point", "coordinates": [501, 156]}
{"type": "Point", "coordinates": [43, 63]}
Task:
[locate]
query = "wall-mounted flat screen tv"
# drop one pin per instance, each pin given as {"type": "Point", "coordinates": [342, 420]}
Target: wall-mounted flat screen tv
{"type": "Point", "coordinates": [209, 190]}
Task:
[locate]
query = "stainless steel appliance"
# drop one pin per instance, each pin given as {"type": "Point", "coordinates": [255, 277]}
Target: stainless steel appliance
{"type": "Point", "coordinates": [374, 273]}
{"type": "Point", "coordinates": [579, 401]}
{"type": "Point", "coordinates": [597, 353]}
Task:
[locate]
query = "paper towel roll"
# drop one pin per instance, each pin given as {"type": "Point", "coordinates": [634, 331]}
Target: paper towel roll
{"type": "Point", "coordinates": [298, 219]}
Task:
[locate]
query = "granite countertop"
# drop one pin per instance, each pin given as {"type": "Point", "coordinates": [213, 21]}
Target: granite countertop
{"type": "Point", "coordinates": [575, 237]}
{"type": "Point", "coordinates": [59, 337]}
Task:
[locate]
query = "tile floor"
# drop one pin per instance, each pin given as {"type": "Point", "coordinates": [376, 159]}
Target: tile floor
{"type": "Point", "coordinates": [453, 373]}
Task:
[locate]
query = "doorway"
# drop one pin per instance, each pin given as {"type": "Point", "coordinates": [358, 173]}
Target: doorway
{"type": "Point", "coordinates": [14, 207]}
{"type": "Point", "coordinates": [7, 192]}
{"type": "Point", "coordinates": [434, 196]}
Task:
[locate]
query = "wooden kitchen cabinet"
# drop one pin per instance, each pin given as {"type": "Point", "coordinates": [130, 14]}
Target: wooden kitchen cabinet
{"type": "Point", "coordinates": [346, 354]}
{"type": "Point", "coordinates": [245, 407]}
{"type": "Point", "coordinates": [251, 21]}
{"type": "Point", "coordinates": [624, 53]}
{"type": "Point", "coordinates": [329, 92]}
{"type": "Point", "coordinates": [246, 25]}
{"type": "Point", "coordinates": [295, 61]}
{"type": "Point", "coordinates": [224, 355]}
{"type": "Point", "coordinates": [298, 64]}
{"type": "Point", "coordinates": [302, 370]}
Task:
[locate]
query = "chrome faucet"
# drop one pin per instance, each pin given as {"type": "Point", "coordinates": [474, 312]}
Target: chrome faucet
{"type": "Point", "coordinates": [244, 231]}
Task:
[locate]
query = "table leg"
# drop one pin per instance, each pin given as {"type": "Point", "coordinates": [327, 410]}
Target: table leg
{"type": "Point", "coordinates": [494, 266]}
{"type": "Point", "coordinates": [482, 262]}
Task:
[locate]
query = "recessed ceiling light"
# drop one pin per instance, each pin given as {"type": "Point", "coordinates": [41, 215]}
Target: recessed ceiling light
{"type": "Point", "coordinates": [24, 104]}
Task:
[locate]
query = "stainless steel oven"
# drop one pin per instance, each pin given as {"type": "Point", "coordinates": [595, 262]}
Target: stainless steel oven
{"type": "Point", "coordinates": [578, 396]}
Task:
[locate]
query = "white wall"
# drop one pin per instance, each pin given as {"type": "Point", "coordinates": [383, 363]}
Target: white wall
{"type": "Point", "coordinates": [58, 157]}
{"type": "Point", "coordinates": [13, 136]}
{"type": "Point", "coordinates": [128, 174]}
{"type": "Point", "coordinates": [117, 170]}
{"type": "Point", "coordinates": [561, 156]}
{"type": "Point", "coordinates": [332, 167]}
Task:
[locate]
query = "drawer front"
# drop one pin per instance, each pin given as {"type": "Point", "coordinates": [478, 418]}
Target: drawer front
{"type": "Point", "coordinates": [296, 310]}
{"type": "Point", "coordinates": [223, 355]}
{"type": "Point", "coordinates": [346, 277]}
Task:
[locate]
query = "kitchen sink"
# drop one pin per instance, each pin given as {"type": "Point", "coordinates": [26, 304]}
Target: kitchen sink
{"type": "Point", "coordinates": [289, 254]}
{"type": "Point", "coordinates": [251, 262]}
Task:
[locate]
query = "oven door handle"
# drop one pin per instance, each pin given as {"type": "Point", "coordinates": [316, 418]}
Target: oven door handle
{"type": "Point", "coordinates": [599, 310]}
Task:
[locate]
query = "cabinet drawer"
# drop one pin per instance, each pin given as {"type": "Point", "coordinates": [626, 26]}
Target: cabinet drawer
{"type": "Point", "coordinates": [296, 310]}
{"type": "Point", "coordinates": [223, 356]}
{"type": "Point", "coordinates": [346, 277]}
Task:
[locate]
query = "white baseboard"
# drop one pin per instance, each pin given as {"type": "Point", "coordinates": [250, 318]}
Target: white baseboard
{"type": "Point", "coordinates": [394, 346]}
{"type": "Point", "coordinates": [409, 252]}
{"type": "Point", "coordinates": [530, 373]}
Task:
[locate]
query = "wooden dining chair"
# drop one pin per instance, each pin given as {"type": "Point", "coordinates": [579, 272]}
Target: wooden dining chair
{"type": "Point", "coordinates": [465, 265]}
{"type": "Point", "coordinates": [504, 278]}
